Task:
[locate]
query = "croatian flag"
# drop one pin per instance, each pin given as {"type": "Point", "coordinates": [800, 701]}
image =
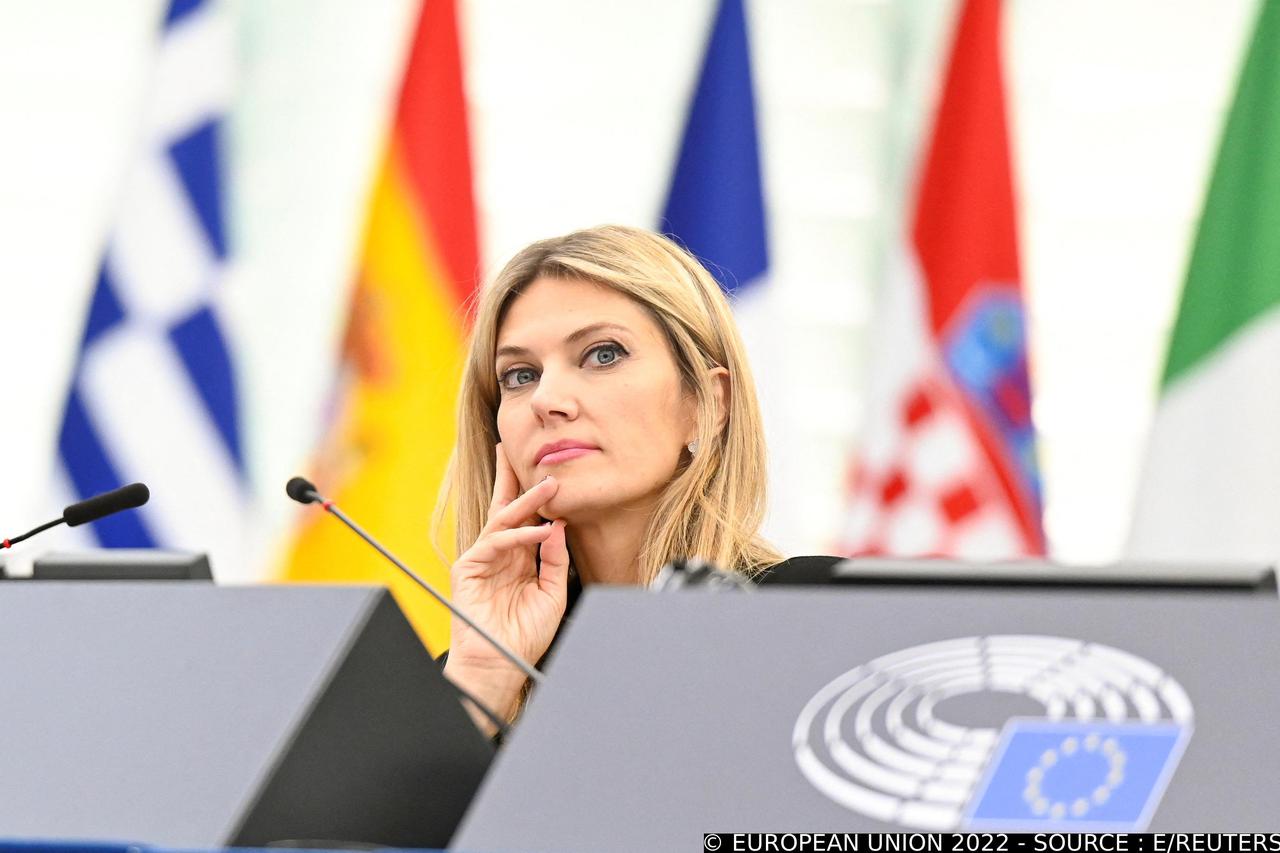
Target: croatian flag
{"type": "Point", "coordinates": [947, 465]}
{"type": "Point", "coordinates": [716, 209]}
{"type": "Point", "coordinates": [153, 396]}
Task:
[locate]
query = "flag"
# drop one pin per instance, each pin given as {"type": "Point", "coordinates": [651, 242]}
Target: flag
{"type": "Point", "coordinates": [716, 209]}
{"type": "Point", "coordinates": [947, 463]}
{"type": "Point", "coordinates": [715, 206]}
{"type": "Point", "coordinates": [1211, 484]}
{"type": "Point", "coordinates": [153, 395]}
{"type": "Point", "coordinates": [394, 406]}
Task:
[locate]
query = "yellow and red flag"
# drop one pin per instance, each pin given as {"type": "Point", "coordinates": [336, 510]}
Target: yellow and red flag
{"type": "Point", "coordinates": [393, 429]}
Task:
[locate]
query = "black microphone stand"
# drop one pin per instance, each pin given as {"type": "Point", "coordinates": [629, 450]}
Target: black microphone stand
{"type": "Point", "coordinates": [302, 491]}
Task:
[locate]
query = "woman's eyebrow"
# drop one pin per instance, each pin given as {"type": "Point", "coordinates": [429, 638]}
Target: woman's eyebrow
{"type": "Point", "coordinates": [593, 329]}
{"type": "Point", "coordinates": [571, 338]}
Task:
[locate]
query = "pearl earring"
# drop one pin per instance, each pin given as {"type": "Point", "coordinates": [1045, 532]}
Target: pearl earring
{"type": "Point", "coordinates": [693, 447]}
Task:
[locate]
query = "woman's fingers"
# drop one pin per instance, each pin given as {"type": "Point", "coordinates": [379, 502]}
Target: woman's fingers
{"type": "Point", "coordinates": [490, 545]}
{"type": "Point", "coordinates": [506, 487]}
{"type": "Point", "coordinates": [553, 576]}
{"type": "Point", "coordinates": [520, 510]}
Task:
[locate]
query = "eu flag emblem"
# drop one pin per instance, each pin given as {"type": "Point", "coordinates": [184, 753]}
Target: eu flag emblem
{"type": "Point", "coordinates": [1078, 776]}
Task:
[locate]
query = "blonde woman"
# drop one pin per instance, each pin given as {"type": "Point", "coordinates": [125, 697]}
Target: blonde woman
{"type": "Point", "coordinates": [607, 425]}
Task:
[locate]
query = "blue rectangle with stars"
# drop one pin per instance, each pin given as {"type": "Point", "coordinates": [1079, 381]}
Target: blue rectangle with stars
{"type": "Point", "coordinates": [1077, 776]}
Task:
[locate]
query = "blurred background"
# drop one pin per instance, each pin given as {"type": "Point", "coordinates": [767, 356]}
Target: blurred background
{"type": "Point", "coordinates": [575, 114]}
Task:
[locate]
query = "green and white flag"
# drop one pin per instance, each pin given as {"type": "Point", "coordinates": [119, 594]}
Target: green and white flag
{"type": "Point", "coordinates": [1211, 486]}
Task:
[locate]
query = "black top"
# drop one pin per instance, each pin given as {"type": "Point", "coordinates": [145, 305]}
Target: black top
{"type": "Point", "coordinates": [800, 570]}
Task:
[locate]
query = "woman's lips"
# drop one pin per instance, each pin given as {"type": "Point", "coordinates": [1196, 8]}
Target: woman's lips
{"type": "Point", "coordinates": [565, 455]}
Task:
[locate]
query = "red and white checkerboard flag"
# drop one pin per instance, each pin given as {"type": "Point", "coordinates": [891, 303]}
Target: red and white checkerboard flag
{"type": "Point", "coordinates": [947, 464]}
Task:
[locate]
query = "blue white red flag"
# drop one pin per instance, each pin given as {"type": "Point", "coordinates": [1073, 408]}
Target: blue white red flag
{"type": "Point", "coordinates": [716, 203]}
{"type": "Point", "coordinates": [947, 464]}
{"type": "Point", "coordinates": [716, 209]}
{"type": "Point", "coordinates": [153, 396]}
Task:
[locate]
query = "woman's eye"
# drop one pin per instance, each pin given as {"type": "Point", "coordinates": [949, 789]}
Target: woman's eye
{"type": "Point", "coordinates": [605, 354]}
{"type": "Point", "coordinates": [517, 377]}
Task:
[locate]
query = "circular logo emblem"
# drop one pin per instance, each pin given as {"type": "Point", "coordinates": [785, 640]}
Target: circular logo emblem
{"type": "Point", "coordinates": [1006, 732]}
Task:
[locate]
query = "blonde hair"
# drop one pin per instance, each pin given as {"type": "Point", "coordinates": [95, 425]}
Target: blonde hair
{"type": "Point", "coordinates": [713, 507]}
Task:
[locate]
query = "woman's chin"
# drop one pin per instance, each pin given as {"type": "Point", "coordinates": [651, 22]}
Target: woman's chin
{"type": "Point", "coordinates": [587, 499]}
{"type": "Point", "coordinates": [570, 507]}
{"type": "Point", "coordinates": [557, 508]}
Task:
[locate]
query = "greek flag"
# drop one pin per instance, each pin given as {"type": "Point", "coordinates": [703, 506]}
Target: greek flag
{"type": "Point", "coordinates": [153, 395]}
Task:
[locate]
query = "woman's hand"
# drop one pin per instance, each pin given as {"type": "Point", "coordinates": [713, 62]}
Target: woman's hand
{"type": "Point", "coordinates": [497, 582]}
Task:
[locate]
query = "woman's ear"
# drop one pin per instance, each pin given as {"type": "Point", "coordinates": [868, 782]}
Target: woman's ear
{"type": "Point", "coordinates": [720, 399]}
{"type": "Point", "coordinates": [720, 387]}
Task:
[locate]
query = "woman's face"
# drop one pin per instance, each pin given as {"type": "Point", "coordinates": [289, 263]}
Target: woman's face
{"type": "Point", "coordinates": [590, 394]}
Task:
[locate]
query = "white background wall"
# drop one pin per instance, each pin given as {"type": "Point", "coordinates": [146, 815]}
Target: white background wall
{"type": "Point", "coordinates": [576, 111]}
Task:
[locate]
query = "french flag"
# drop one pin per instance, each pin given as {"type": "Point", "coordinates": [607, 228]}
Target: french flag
{"type": "Point", "coordinates": [716, 209]}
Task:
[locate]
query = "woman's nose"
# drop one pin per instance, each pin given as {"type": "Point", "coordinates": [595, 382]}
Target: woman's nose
{"type": "Point", "coordinates": [555, 396]}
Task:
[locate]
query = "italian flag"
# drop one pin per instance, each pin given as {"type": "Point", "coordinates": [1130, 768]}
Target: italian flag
{"type": "Point", "coordinates": [1211, 487]}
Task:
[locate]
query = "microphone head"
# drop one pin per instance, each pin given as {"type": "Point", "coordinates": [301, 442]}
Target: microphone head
{"type": "Point", "coordinates": [302, 490]}
{"type": "Point", "coordinates": [679, 574]}
{"type": "Point", "coordinates": [98, 506]}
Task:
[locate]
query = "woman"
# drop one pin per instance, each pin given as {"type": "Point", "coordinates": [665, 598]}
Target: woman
{"type": "Point", "coordinates": [607, 425]}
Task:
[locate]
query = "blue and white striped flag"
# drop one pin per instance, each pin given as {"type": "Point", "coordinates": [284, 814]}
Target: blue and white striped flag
{"type": "Point", "coordinates": [153, 396]}
{"type": "Point", "coordinates": [716, 208]}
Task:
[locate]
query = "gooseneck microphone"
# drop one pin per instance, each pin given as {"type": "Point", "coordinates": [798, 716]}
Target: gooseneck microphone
{"type": "Point", "coordinates": [302, 491]}
{"type": "Point", "coordinates": [693, 572]}
{"type": "Point", "coordinates": [91, 509]}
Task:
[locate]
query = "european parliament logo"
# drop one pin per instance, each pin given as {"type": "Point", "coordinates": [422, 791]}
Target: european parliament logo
{"type": "Point", "coordinates": [1027, 733]}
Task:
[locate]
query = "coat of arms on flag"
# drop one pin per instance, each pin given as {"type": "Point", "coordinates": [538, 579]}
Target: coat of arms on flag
{"type": "Point", "coordinates": [947, 465]}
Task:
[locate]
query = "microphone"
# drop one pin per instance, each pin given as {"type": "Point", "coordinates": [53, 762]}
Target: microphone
{"type": "Point", "coordinates": [91, 509]}
{"type": "Point", "coordinates": [302, 491]}
{"type": "Point", "coordinates": [681, 574]}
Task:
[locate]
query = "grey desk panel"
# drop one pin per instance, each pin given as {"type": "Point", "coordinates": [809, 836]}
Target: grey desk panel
{"type": "Point", "coordinates": [168, 713]}
{"type": "Point", "coordinates": [666, 716]}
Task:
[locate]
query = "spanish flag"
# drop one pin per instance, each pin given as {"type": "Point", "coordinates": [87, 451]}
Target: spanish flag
{"type": "Point", "coordinates": [393, 408]}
